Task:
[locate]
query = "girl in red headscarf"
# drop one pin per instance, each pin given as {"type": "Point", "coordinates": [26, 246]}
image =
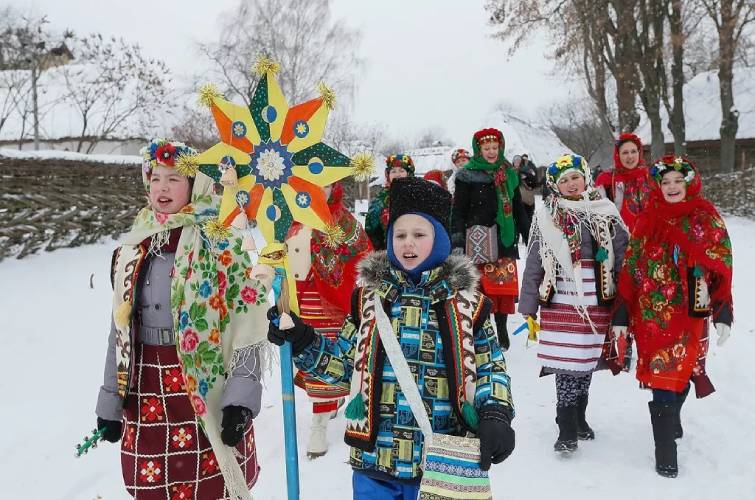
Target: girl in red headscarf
{"type": "Point", "coordinates": [628, 186]}
{"type": "Point", "coordinates": [677, 272]}
{"type": "Point", "coordinates": [325, 278]}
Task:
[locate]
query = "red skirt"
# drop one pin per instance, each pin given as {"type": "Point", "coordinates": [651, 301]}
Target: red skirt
{"type": "Point", "coordinates": [164, 452]}
{"type": "Point", "coordinates": [500, 283]}
{"type": "Point", "coordinates": [311, 310]}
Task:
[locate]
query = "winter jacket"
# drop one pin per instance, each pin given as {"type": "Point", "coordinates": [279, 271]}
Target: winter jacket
{"type": "Point", "coordinates": [376, 222]}
{"type": "Point", "coordinates": [444, 328]}
{"type": "Point", "coordinates": [152, 306]}
{"type": "Point", "coordinates": [529, 296]}
{"type": "Point", "coordinates": [475, 203]}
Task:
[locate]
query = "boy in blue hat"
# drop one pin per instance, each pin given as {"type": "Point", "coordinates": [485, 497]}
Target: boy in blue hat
{"type": "Point", "coordinates": [443, 325]}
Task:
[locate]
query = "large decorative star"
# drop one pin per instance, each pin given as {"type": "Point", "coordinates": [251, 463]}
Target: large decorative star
{"type": "Point", "coordinates": [280, 161]}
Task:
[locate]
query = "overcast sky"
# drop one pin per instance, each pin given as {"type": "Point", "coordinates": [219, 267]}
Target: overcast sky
{"type": "Point", "coordinates": [428, 63]}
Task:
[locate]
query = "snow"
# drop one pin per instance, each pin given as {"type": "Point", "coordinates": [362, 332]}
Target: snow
{"type": "Point", "coordinates": [702, 108]}
{"type": "Point", "coordinates": [523, 136]}
{"type": "Point", "coordinates": [432, 158]}
{"type": "Point", "coordinates": [54, 343]}
{"type": "Point", "coordinates": [53, 154]}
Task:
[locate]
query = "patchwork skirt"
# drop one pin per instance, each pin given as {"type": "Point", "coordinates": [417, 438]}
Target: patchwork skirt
{"type": "Point", "coordinates": [324, 397]}
{"type": "Point", "coordinates": [164, 452]}
{"type": "Point", "coordinates": [567, 342]}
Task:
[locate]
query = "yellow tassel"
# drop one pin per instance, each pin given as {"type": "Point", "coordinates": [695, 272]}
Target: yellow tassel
{"type": "Point", "coordinates": [216, 230]}
{"type": "Point", "coordinates": [247, 243]}
{"type": "Point", "coordinates": [362, 165]}
{"type": "Point", "coordinates": [265, 65]}
{"type": "Point", "coordinates": [208, 93]}
{"type": "Point", "coordinates": [333, 236]}
{"type": "Point", "coordinates": [229, 178]}
{"type": "Point", "coordinates": [187, 165]}
{"type": "Point", "coordinates": [327, 95]}
{"type": "Point", "coordinates": [240, 221]}
{"type": "Point", "coordinates": [122, 315]}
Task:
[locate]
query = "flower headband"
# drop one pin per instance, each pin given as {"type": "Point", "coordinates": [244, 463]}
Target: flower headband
{"type": "Point", "coordinates": [403, 161]}
{"type": "Point", "coordinates": [564, 164]}
{"type": "Point", "coordinates": [673, 164]}
{"type": "Point", "coordinates": [168, 154]}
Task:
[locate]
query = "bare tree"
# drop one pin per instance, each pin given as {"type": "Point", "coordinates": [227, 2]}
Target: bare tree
{"type": "Point", "coordinates": [303, 37]}
{"type": "Point", "coordinates": [116, 89]}
{"type": "Point", "coordinates": [432, 136]}
{"type": "Point", "coordinates": [27, 45]}
{"type": "Point", "coordinates": [195, 128]}
{"type": "Point", "coordinates": [731, 18]}
{"type": "Point", "coordinates": [578, 124]}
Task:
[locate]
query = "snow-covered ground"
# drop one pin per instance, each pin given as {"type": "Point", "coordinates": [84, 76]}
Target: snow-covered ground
{"type": "Point", "coordinates": [53, 346]}
{"type": "Point", "coordinates": [73, 156]}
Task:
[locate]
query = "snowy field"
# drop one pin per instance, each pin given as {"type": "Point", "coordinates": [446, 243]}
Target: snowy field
{"type": "Point", "coordinates": [54, 338]}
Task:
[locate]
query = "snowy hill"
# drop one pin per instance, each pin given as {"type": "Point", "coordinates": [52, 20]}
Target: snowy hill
{"type": "Point", "coordinates": [54, 340]}
{"type": "Point", "coordinates": [702, 108]}
{"type": "Point", "coordinates": [522, 136]}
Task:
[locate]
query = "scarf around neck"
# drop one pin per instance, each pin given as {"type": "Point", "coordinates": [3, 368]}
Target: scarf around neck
{"type": "Point", "coordinates": [217, 308]}
{"type": "Point", "coordinates": [505, 181]}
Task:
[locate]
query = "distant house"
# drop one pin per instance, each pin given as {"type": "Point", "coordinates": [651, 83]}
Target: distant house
{"type": "Point", "coordinates": [702, 113]}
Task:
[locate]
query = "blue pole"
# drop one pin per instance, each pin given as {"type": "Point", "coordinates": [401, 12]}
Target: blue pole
{"type": "Point", "coordinates": [289, 422]}
{"type": "Point", "coordinates": [280, 292]}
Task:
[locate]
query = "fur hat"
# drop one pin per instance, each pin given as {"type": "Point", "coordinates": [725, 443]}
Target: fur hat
{"type": "Point", "coordinates": [410, 195]}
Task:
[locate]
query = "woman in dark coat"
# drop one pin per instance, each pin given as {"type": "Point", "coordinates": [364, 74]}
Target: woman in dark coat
{"type": "Point", "coordinates": [488, 215]}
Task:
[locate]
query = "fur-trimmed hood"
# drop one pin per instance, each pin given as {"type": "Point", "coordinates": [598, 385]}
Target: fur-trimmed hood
{"type": "Point", "coordinates": [458, 271]}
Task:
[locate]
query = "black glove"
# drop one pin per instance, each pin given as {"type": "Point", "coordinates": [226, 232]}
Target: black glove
{"type": "Point", "coordinates": [496, 435]}
{"type": "Point", "coordinates": [235, 420]}
{"type": "Point", "coordinates": [300, 336]}
{"type": "Point", "coordinates": [113, 429]}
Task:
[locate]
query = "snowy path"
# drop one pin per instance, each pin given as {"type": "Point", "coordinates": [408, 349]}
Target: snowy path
{"type": "Point", "coordinates": [54, 338]}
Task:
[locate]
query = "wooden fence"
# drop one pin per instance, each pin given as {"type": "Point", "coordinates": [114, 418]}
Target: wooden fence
{"type": "Point", "coordinates": [50, 204]}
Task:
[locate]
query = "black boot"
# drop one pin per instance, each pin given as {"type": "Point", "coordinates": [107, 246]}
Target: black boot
{"type": "Point", "coordinates": [584, 432]}
{"type": "Point", "coordinates": [503, 332]}
{"type": "Point", "coordinates": [663, 417]}
{"type": "Point", "coordinates": [566, 418]}
{"type": "Point", "coordinates": [678, 430]}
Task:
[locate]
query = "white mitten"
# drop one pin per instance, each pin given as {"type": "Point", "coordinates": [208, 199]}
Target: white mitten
{"type": "Point", "coordinates": [723, 330]}
{"type": "Point", "coordinates": [619, 331]}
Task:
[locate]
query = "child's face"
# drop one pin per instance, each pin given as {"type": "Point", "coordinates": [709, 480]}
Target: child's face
{"type": "Point", "coordinates": [673, 187]}
{"type": "Point", "coordinates": [571, 184]}
{"type": "Point", "coordinates": [489, 151]}
{"type": "Point", "coordinates": [629, 155]}
{"type": "Point", "coordinates": [461, 161]}
{"type": "Point", "coordinates": [413, 238]}
{"type": "Point", "coordinates": [169, 191]}
{"type": "Point", "coordinates": [396, 172]}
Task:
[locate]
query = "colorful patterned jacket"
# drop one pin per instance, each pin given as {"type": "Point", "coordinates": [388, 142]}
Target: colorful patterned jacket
{"type": "Point", "coordinates": [445, 332]}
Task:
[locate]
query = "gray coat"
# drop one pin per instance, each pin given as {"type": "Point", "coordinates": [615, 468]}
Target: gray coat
{"type": "Point", "coordinates": [243, 386]}
{"type": "Point", "coordinates": [532, 278]}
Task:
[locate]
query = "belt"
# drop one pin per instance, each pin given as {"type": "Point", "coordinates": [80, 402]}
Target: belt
{"type": "Point", "coordinates": [151, 335]}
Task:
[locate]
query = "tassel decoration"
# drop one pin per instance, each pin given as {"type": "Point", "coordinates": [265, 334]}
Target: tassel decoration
{"type": "Point", "coordinates": [265, 65]}
{"type": "Point", "coordinates": [208, 93]}
{"type": "Point", "coordinates": [327, 95]}
{"type": "Point", "coordinates": [187, 165]}
{"type": "Point", "coordinates": [333, 236]}
{"type": "Point", "coordinates": [469, 414]}
{"type": "Point", "coordinates": [229, 178]}
{"type": "Point", "coordinates": [216, 230]}
{"type": "Point", "coordinates": [247, 243]}
{"type": "Point", "coordinates": [356, 409]}
{"type": "Point", "coordinates": [362, 165]}
{"type": "Point", "coordinates": [601, 255]}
